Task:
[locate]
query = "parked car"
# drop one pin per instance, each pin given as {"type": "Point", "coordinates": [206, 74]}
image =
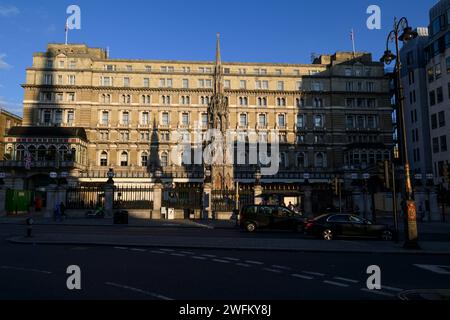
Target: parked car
{"type": "Point", "coordinates": [255, 217]}
{"type": "Point", "coordinates": [330, 226]}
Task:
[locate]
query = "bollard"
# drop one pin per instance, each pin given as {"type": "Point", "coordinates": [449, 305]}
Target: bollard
{"type": "Point", "coordinates": [29, 223]}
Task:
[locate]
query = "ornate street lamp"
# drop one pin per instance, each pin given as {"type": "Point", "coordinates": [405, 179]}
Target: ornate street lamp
{"type": "Point", "coordinates": [403, 32]}
{"type": "Point", "coordinates": [110, 176]}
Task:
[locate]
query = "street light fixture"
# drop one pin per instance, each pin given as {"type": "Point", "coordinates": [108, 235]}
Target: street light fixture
{"type": "Point", "coordinates": [110, 176]}
{"type": "Point", "coordinates": [403, 32]}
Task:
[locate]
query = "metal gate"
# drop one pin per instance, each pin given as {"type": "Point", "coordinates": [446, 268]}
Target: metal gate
{"type": "Point", "coordinates": [133, 197]}
{"type": "Point", "coordinates": [85, 197]}
{"type": "Point", "coordinates": [183, 196]}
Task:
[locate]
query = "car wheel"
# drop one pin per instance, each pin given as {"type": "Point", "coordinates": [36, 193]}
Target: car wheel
{"type": "Point", "coordinates": [250, 227]}
{"type": "Point", "coordinates": [327, 234]}
{"type": "Point", "coordinates": [386, 235]}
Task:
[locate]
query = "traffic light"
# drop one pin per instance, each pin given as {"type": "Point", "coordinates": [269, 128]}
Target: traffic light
{"type": "Point", "coordinates": [384, 173]}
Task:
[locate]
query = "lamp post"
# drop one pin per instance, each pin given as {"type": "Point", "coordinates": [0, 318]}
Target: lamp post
{"type": "Point", "coordinates": [403, 32]}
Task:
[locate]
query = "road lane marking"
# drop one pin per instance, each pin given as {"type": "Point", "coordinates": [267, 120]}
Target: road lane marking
{"type": "Point", "coordinates": [138, 250]}
{"type": "Point", "coordinates": [158, 252]}
{"type": "Point", "coordinates": [254, 262]}
{"type": "Point", "coordinates": [25, 269]}
{"type": "Point", "coordinates": [209, 255]}
{"type": "Point", "coordinates": [147, 293]}
{"type": "Point", "coordinates": [314, 273]}
{"type": "Point", "coordinates": [177, 255]}
{"type": "Point", "coordinates": [220, 261]}
{"type": "Point", "coordinates": [243, 265]}
{"type": "Point", "coordinates": [187, 252]}
{"type": "Point", "coordinates": [346, 280]}
{"type": "Point", "coordinates": [272, 270]}
{"type": "Point", "coordinates": [232, 259]}
{"type": "Point", "coordinates": [121, 248]}
{"type": "Point", "coordinates": [167, 250]}
{"type": "Point", "coordinates": [198, 258]}
{"type": "Point", "coordinates": [337, 284]}
{"type": "Point", "coordinates": [381, 293]}
{"type": "Point", "coordinates": [295, 275]}
{"type": "Point", "coordinates": [280, 267]}
{"type": "Point", "coordinates": [434, 268]}
{"type": "Point", "coordinates": [392, 288]}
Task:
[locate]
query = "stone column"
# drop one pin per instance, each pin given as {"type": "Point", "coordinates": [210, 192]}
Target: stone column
{"type": "Point", "coordinates": [2, 201]}
{"type": "Point", "coordinates": [157, 201]}
{"type": "Point", "coordinates": [52, 194]}
{"type": "Point", "coordinates": [109, 199]}
{"type": "Point", "coordinates": [258, 191]}
{"type": "Point", "coordinates": [308, 201]}
{"type": "Point", "coordinates": [207, 201]}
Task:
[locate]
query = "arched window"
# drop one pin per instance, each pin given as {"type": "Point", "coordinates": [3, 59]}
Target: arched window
{"type": "Point", "coordinates": [283, 160]}
{"type": "Point", "coordinates": [32, 151]}
{"type": "Point", "coordinates": [20, 153]}
{"type": "Point", "coordinates": [319, 160]}
{"type": "Point", "coordinates": [144, 159]}
{"type": "Point", "coordinates": [51, 154]}
{"type": "Point", "coordinates": [124, 159]}
{"type": "Point", "coordinates": [104, 159]}
{"type": "Point", "coordinates": [301, 160]}
{"type": "Point", "coordinates": [42, 151]}
{"type": "Point", "coordinates": [164, 159]}
{"type": "Point", "coordinates": [63, 153]}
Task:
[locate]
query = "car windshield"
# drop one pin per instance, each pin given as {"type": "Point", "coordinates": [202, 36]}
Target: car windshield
{"type": "Point", "coordinates": [320, 217]}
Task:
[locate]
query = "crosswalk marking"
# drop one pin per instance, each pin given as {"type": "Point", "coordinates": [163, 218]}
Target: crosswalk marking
{"type": "Point", "coordinates": [435, 268]}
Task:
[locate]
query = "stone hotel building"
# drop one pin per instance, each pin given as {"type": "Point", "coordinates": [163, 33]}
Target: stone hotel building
{"type": "Point", "coordinates": [84, 113]}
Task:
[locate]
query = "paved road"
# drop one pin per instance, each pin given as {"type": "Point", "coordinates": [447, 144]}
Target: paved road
{"type": "Point", "coordinates": [38, 272]}
{"type": "Point", "coordinates": [8, 229]}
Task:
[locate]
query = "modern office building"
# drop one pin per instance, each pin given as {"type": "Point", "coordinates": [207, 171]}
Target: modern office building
{"type": "Point", "coordinates": [438, 85]}
{"type": "Point", "coordinates": [417, 117]}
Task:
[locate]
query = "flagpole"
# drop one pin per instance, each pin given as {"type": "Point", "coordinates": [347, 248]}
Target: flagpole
{"type": "Point", "coordinates": [67, 32]}
{"type": "Point", "coordinates": [353, 42]}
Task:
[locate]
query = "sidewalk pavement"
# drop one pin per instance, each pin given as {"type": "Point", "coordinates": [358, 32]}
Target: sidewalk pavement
{"type": "Point", "coordinates": [227, 243]}
{"type": "Point", "coordinates": [133, 222]}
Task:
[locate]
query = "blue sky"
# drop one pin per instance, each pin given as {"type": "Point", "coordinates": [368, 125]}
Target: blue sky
{"type": "Point", "coordinates": [259, 31]}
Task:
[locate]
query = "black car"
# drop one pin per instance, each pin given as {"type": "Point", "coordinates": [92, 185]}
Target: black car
{"type": "Point", "coordinates": [330, 226]}
{"type": "Point", "coordinates": [255, 217]}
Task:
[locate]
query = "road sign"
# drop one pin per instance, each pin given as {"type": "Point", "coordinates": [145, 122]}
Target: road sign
{"type": "Point", "coordinates": [306, 176]}
{"type": "Point", "coordinates": [2, 175]}
{"type": "Point", "coordinates": [354, 176]}
{"type": "Point", "coordinates": [53, 175]}
{"type": "Point", "coordinates": [418, 176]}
{"type": "Point", "coordinates": [366, 176]}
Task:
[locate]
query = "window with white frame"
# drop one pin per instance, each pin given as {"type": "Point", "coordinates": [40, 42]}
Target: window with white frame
{"type": "Point", "coordinates": [262, 119]}
{"type": "Point", "coordinates": [282, 120]}
{"type": "Point", "coordinates": [185, 84]}
{"type": "Point", "coordinates": [105, 117]}
{"type": "Point", "coordinates": [280, 85]}
{"type": "Point", "coordinates": [145, 118]}
{"type": "Point", "coordinates": [124, 159]}
{"type": "Point", "coordinates": [70, 116]}
{"type": "Point", "coordinates": [243, 101]}
{"type": "Point", "coordinates": [71, 96]}
{"type": "Point", "coordinates": [164, 159]}
{"type": "Point", "coordinates": [227, 84]}
{"type": "Point", "coordinates": [144, 159]}
{"type": "Point", "coordinates": [204, 119]}
{"type": "Point", "coordinates": [104, 159]}
{"type": "Point", "coordinates": [125, 117]}
{"type": "Point", "coordinates": [243, 84]}
{"type": "Point", "coordinates": [318, 121]}
{"type": "Point", "coordinates": [185, 118]}
{"type": "Point", "coordinates": [48, 79]}
{"type": "Point", "coordinates": [165, 118]}
{"type": "Point", "coordinates": [300, 121]}
{"type": "Point", "coordinates": [146, 82]}
{"type": "Point", "coordinates": [243, 119]}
